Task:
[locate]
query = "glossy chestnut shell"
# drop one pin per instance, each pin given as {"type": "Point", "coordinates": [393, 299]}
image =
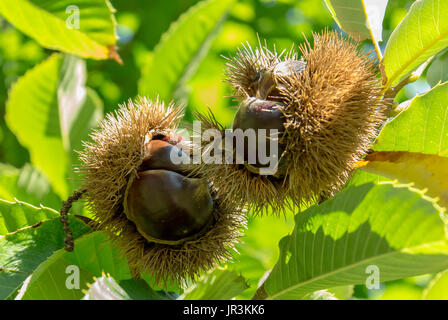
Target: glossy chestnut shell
{"type": "Point", "coordinates": [165, 205]}
{"type": "Point", "coordinates": [260, 114]}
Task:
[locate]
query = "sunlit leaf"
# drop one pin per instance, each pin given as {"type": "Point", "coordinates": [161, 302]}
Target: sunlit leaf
{"type": "Point", "coordinates": [399, 290]}
{"type": "Point", "coordinates": [107, 288]}
{"type": "Point", "coordinates": [321, 295]}
{"type": "Point", "coordinates": [27, 185]}
{"type": "Point", "coordinates": [383, 225]}
{"type": "Point", "coordinates": [32, 114]}
{"type": "Point", "coordinates": [422, 127]}
{"type": "Point", "coordinates": [92, 256]}
{"type": "Point", "coordinates": [50, 110]}
{"type": "Point", "coordinates": [181, 48]}
{"type": "Point", "coordinates": [23, 250]}
{"type": "Point", "coordinates": [342, 293]}
{"type": "Point", "coordinates": [259, 253]}
{"type": "Point", "coordinates": [425, 171]}
{"type": "Point", "coordinates": [421, 34]}
{"type": "Point", "coordinates": [362, 19]}
{"type": "Point", "coordinates": [80, 107]}
{"type": "Point", "coordinates": [15, 215]}
{"type": "Point", "coordinates": [218, 284]}
{"type": "Point", "coordinates": [438, 287]}
{"type": "Point", "coordinates": [438, 71]}
{"type": "Point", "coordinates": [84, 28]}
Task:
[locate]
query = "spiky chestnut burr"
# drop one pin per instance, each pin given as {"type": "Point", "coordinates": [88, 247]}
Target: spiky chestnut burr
{"type": "Point", "coordinates": [166, 222]}
{"type": "Point", "coordinates": [331, 107]}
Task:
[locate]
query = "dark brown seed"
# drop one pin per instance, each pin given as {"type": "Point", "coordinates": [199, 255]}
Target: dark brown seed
{"type": "Point", "coordinates": [160, 154]}
{"type": "Point", "coordinates": [168, 206]}
{"type": "Point", "coordinates": [260, 114]}
{"type": "Point", "coordinates": [269, 81]}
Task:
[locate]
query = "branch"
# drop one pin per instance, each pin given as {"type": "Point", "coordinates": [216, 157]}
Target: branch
{"type": "Point", "coordinates": [392, 92]}
{"type": "Point", "coordinates": [69, 242]}
{"type": "Point", "coordinates": [389, 94]}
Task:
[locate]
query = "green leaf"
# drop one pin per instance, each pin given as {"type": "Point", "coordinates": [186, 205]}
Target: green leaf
{"type": "Point", "coordinates": [438, 70]}
{"type": "Point", "coordinates": [421, 34]}
{"type": "Point", "coordinates": [362, 19]}
{"type": "Point", "coordinates": [386, 225]}
{"type": "Point", "coordinates": [258, 253]}
{"type": "Point", "coordinates": [182, 47]}
{"type": "Point", "coordinates": [17, 215]}
{"type": "Point", "coordinates": [32, 114]}
{"type": "Point", "coordinates": [82, 27]}
{"type": "Point", "coordinates": [342, 293]}
{"type": "Point", "coordinates": [218, 284]}
{"type": "Point", "coordinates": [23, 250]}
{"type": "Point", "coordinates": [438, 288]}
{"type": "Point", "coordinates": [27, 185]}
{"type": "Point", "coordinates": [320, 295]}
{"type": "Point", "coordinates": [415, 168]}
{"type": "Point", "coordinates": [422, 127]}
{"type": "Point", "coordinates": [107, 288]}
{"type": "Point", "coordinates": [51, 111]}
{"type": "Point", "coordinates": [80, 108]}
{"type": "Point", "coordinates": [404, 289]}
{"type": "Point", "coordinates": [93, 255]}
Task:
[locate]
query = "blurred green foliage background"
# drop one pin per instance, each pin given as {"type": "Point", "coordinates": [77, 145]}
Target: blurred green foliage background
{"type": "Point", "coordinates": [282, 23]}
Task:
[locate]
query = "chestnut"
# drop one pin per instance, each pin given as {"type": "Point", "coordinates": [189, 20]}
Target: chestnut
{"type": "Point", "coordinates": [165, 205]}
{"type": "Point", "coordinates": [163, 216]}
{"type": "Point", "coordinates": [260, 114]}
{"type": "Point", "coordinates": [268, 86]}
{"type": "Point", "coordinates": [159, 154]}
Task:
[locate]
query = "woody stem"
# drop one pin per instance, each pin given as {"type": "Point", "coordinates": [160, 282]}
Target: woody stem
{"type": "Point", "coordinates": [69, 243]}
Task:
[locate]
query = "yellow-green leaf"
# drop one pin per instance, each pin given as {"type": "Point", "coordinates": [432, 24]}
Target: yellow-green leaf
{"type": "Point", "coordinates": [93, 255]}
{"type": "Point", "coordinates": [218, 284]}
{"type": "Point", "coordinates": [421, 34]}
{"type": "Point", "coordinates": [438, 287]}
{"type": "Point", "coordinates": [32, 114]}
{"type": "Point", "coordinates": [438, 71]}
{"type": "Point", "coordinates": [362, 19]}
{"type": "Point", "coordinates": [50, 111]}
{"type": "Point", "coordinates": [26, 184]}
{"type": "Point", "coordinates": [380, 225]}
{"type": "Point", "coordinates": [23, 250]}
{"type": "Point", "coordinates": [422, 127]}
{"type": "Point", "coordinates": [84, 28]}
{"type": "Point", "coordinates": [425, 171]}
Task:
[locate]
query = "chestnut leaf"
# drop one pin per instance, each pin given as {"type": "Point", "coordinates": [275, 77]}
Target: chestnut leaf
{"type": "Point", "coordinates": [371, 225]}
{"type": "Point", "coordinates": [83, 28]}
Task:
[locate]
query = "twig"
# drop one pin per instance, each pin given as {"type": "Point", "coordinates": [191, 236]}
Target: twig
{"type": "Point", "coordinates": [69, 243]}
{"type": "Point", "coordinates": [392, 92]}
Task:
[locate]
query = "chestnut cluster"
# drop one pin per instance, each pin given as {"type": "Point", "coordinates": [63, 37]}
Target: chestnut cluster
{"type": "Point", "coordinates": [175, 220]}
{"type": "Point", "coordinates": [326, 107]}
{"type": "Point", "coordinates": [264, 110]}
{"type": "Point", "coordinates": [167, 220]}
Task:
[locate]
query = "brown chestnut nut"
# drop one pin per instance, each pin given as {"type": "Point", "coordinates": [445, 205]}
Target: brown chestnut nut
{"type": "Point", "coordinates": [260, 114]}
{"type": "Point", "coordinates": [268, 81]}
{"type": "Point", "coordinates": [160, 154]}
{"type": "Point", "coordinates": [167, 206]}
{"type": "Point", "coordinates": [164, 217]}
